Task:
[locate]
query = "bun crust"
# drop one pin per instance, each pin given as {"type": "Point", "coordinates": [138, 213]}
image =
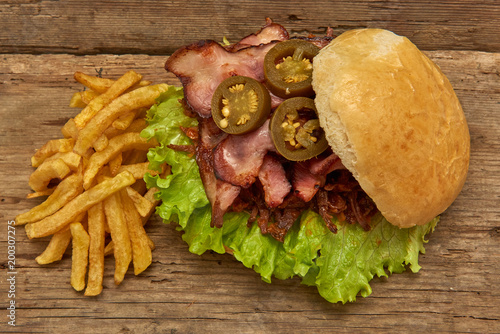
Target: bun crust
{"type": "Point", "coordinates": [393, 118]}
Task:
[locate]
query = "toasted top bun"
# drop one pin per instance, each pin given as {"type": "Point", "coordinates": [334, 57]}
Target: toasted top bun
{"type": "Point", "coordinates": [394, 120]}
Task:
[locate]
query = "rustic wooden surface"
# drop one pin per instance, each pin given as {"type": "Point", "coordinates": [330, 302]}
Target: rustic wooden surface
{"type": "Point", "coordinates": [42, 43]}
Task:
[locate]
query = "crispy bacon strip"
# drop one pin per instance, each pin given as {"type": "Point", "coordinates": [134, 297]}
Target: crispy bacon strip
{"type": "Point", "coordinates": [238, 159]}
{"type": "Point", "coordinates": [220, 194]}
{"type": "Point", "coordinates": [274, 182]}
{"type": "Point", "coordinates": [269, 33]}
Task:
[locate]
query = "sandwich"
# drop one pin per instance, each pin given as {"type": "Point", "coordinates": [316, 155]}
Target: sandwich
{"type": "Point", "coordinates": [325, 158]}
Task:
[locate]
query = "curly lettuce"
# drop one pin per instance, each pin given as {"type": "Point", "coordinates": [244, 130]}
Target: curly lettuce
{"type": "Point", "coordinates": [339, 265]}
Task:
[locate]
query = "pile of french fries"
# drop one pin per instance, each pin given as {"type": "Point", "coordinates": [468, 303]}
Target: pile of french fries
{"type": "Point", "coordinates": [93, 177]}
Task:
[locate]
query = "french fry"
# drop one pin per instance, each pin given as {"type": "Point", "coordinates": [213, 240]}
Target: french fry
{"type": "Point", "coordinates": [56, 247]}
{"type": "Point", "coordinates": [88, 95]}
{"type": "Point", "coordinates": [76, 101]}
{"type": "Point", "coordinates": [45, 192]}
{"type": "Point", "coordinates": [136, 126]}
{"type": "Point", "coordinates": [124, 142]}
{"type": "Point", "coordinates": [150, 243]}
{"type": "Point", "coordinates": [71, 159]}
{"type": "Point", "coordinates": [141, 252]}
{"type": "Point", "coordinates": [150, 196]}
{"type": "Point", "coordinates": [47, 171]}
{"type": "Point", "coordinates": [139, 98]}
{"type": "Point", "coordinates": [79, 204]}
{"type": "Point", "coordinates": [95, 105]}
{"type": "Point", "coordinates": [79, 258]}
{"type": "Point", "coordinates": [50, 148]}
{"type": "Point", "coordinates": [139, 169]}
{"type": "Point", "coordinates": [100, 85]}
{"type": "Point", "coordinates": [101, 143]}
{"type": "Point", "coordinates": [109, 249]}
{"type": "Point", "coordinates": [65, 191]}
{"type": "Point", "coordinates": [96, 221]}
{"type": "Point", "coordinates": [117, 223]}
{"type": "Point", "coordinates": [142, 83]}
{"type": "Point", "coordinates": [142, 205]}
{"type": "Point", "coordinates": [69, 130]}
{"type": "Point", "coordinates": [115, 163]}
{"type": "Point", "coordinates": [124, 121]}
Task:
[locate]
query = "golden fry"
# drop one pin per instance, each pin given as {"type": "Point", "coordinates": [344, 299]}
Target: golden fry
{"type": "Point", "coordinates": [117, 223]}
{"type": "Point", "coordinates": [124, 121]}
{"type": "Point", "coordinates": [136, 126]}
{"type": "Point", "coordinates": [100, 85]}
{"type": "Point", "coordinates": [69, 130]}
{"type": "Point", "coordinates": [96, 221]}
{"type": "Point", "coordinates": [76, 101]}
{"type": "Point", "coordinates": [101, 143]}
{"type": "Point", "coordinates": [47, 171]}
{"type": "Point", "coordinates": [79, 258]}
{"type": "Point", "coordinates": [109, 249]}
{"type": "Point", "coordinates": [88, 95]}
{"type": "Point", "coordinates": [150, 195]}
{"type": "Point", "coordinates": [71, 159]}
{"type": "Point", "coordinates": [50, 148]}
{"type": "Point", "coordinates": [141, 252]}
{"type": "Point", "coordinates": [56, 247]}
{"type": "Point", "coordinates": [142, 84]}
{"type": "Point", "coordinates": [79, 204]}
{"type": "Point", "coordinates": [124, 142]}
{"type": "Point", "coordinates": [65, 191]}
{"type": "Point", "coordinates": [45, 192]}
{"type": "Point", "coordinates": [139, 98]}
{"type": "Point", "coordinates": [142, 205]}
{"type": "Point", "coordinates": [115, 163]}
{"type": "Point", "coordinates": [95, 105]}
{"type": "Point", "coordinates": [139, 170]}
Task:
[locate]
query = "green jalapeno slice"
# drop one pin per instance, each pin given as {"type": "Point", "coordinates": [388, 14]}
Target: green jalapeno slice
{"type": "Point", "coordinates": [295, 130]}
{"type": "Point", "coordinates": [240, 104]}
{"type": "Point", "coordinates": [288, 68]}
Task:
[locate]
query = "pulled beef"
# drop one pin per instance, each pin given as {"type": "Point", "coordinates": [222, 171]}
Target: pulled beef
{"type": "Point", "coordinates": [344, 199]}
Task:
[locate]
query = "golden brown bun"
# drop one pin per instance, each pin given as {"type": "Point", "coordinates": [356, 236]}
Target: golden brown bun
{"type": "Point", "coordinates": [393, 118]}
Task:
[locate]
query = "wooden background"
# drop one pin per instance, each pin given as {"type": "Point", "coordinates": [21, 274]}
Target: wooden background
{"type": "Point", "coordinates": [42, 43]}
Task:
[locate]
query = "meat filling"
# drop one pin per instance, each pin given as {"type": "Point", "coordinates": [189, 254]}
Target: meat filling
{"type": "Point", "coordinates": [245, 172]}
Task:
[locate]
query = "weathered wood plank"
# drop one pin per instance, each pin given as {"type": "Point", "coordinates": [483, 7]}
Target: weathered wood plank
{"type": "Point", "coordinates": [456, 290]}
{"type": "Point", "coordinates": [153, 27]}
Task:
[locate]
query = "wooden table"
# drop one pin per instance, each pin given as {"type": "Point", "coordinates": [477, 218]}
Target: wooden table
{"type": "Point", "coordinates": [42, 43]}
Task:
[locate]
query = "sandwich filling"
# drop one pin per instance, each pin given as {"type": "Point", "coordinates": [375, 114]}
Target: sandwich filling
{"type": "Point", "coordinates": [274, 172]}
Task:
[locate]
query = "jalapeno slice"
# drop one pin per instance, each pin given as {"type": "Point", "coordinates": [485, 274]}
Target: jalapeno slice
{"type": "Point", "coordinates": [288, 68]}
{"type": "Point", "coordinates": [240, 104]}
{"type": "Point", "coordinates": [295, 130]}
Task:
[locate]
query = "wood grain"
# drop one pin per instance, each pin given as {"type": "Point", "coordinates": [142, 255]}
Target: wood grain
{"type": "Point", "coordinates": [455, 291]}
{"type": "Point", "coordinates": [160, 27]}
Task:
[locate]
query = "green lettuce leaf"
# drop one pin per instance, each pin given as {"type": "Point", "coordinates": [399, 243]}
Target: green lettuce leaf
{"type": "Point", "coordinates": [339, 265]}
